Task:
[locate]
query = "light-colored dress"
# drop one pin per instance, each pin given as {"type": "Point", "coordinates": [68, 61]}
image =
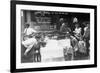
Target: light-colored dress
{"type": "Point", "coordinates": [78, 32]}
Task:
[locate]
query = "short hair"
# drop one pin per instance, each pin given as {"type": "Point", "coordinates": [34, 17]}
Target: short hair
{"type": "Point", "coordinates": [27, 24]}
{"type": "Point", "coordinates": [38, 36]}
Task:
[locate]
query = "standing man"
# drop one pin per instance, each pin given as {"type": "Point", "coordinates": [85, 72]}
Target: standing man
{"type": "Point", "coordinates": [74, 22]}
{"type": "Point", "coordinates": [61, 21]}
{"type": "Point", "coordinates": [62, 27]}
{"type": "Point", "coordinates": [87, 36]}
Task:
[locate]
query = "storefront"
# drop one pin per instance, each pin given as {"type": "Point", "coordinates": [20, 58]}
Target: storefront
{"type": "Point", "coordinates": [49, 20]}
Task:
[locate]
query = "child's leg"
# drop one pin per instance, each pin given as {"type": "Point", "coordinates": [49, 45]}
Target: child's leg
{"type": "Point", "coordinates": [35, 57]}
{"type": "Point", "coordinates": [28, 49]}
{"type": "Point", "coordinates": [39, 57]}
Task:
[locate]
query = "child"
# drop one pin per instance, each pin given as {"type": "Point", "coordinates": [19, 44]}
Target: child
{"type": "Point", "coordinates": [82, 46]}
{"type": "Point", "coordinates": [37, 55]}
{"type": "Point", "coordinates": [40, 43]}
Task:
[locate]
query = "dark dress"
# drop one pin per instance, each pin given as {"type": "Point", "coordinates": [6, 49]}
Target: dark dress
{"type": "Point", "coordinates": [37, 55]}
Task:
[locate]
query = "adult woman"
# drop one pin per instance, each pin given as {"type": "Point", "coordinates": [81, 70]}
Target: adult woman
{"type": "Point", "coordinates": [77, 31]}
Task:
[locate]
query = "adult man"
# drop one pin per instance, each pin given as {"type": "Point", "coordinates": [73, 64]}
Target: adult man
{"type": "Point", "coordinates": [61, 20]}
{"type": "Point", "coordinates": [28, 32]}
{"type": "Point", "coordinates": [62, 28]}
{"type": "Point", "coordinates": [28, 38]}
{"type": "Point", "coordinates": [87, 36]}
{"type": "Point", "coordinates": [73, 23]}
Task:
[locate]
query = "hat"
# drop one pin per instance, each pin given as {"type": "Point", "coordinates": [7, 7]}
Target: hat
{"type": "Point", "coordinates": [75, 20]}
{"type": "Point", "coordinates": [61, 19]}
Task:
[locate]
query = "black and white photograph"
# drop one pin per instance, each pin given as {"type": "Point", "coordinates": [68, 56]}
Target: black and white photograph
{"type": "Point", "coordinates": [49, 35]}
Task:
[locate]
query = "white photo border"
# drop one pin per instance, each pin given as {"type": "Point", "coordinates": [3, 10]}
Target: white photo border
{"type": "Point", "coordinates": [51, 64]}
